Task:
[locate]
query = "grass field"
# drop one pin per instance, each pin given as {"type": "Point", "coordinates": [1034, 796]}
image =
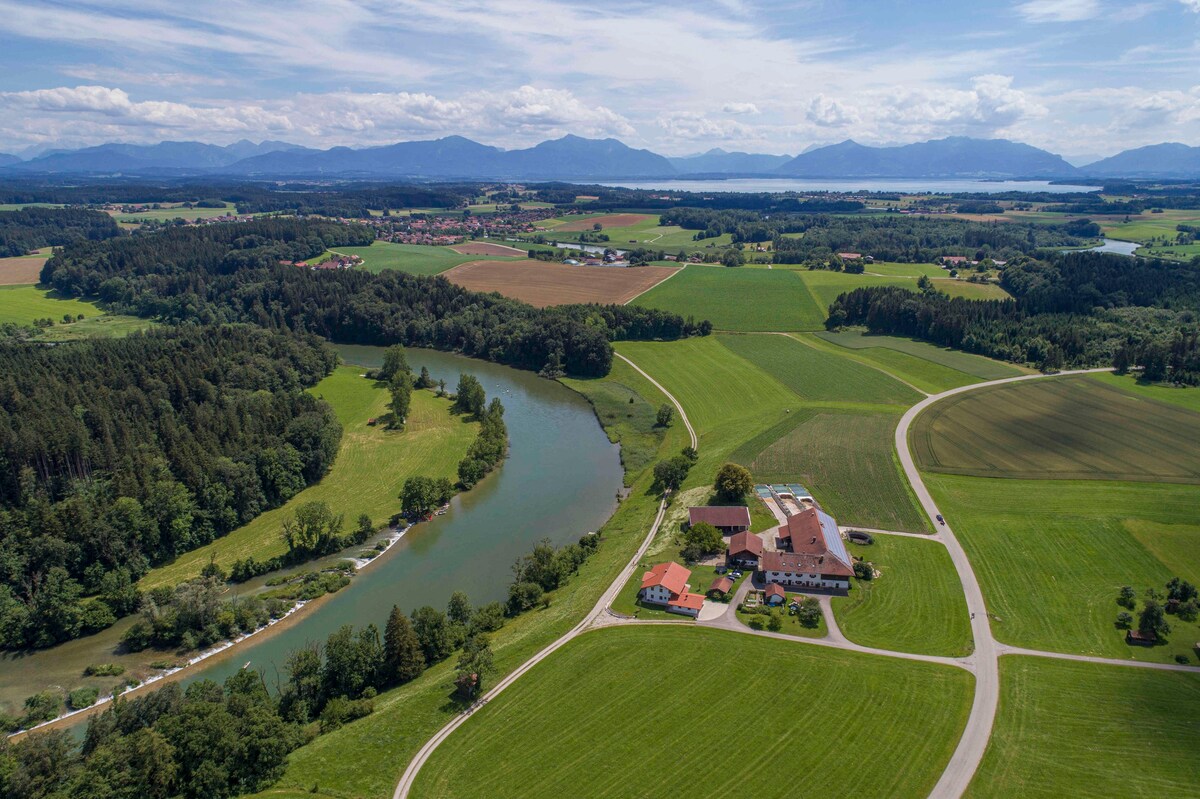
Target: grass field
{"type": "Point", "coordinates": [365, 758]}
{"type": "Point", "coordinates": [1051, 556]}
{"type": "Point", "coordinates": [23, 304]}
{"type": "Point", "coordinates": [1066, 428]}
{"type": "Point", "coordinates": [541, 283]}
{"type": "Point", "coordinates": [553, 730]}
{"type": "Point", "coordinates": [626, 406]}
{"type": "Point", "coordinates": [921, 374]}
{"type": "Point", "coordinates": [964, 362]}
{"type": "Point", "coordinates": [1176, 395]}
{"type": "Point", "coordinates": [818, 375]}
{"type": "Point", "coordinates": [106, 326]}
{"type": "Point", "coordinates": [739, 299]}
{"type": "Point", "coordinates": [1147, 226]}
{"type": "Point", "coordinates": [845, 460]}
{"type": "Point", "coordinates": [915, 605]}
{"type": "Point", "coordinates": [174, 212]}
{"type": "Point", "coordinates": [625, 230]}
{"type": "Point", "coordinates": [1087, 730]}
{"type": "Point", "coordinates": [892, 269]}
{"type": "Point", "coordinates": [972, 291]}
{"type": "Point", "coordinates": [826, 286]}
{"type": "Point", "coordinates": [607, 221]}
{"type": "Point", "coordinates": [371, 466]}
{"type": "Point", "coordinates": [416, 259]}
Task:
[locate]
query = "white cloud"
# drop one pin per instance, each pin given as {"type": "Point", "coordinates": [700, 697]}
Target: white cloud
{"type": "Point", "coordinates": [1191, 5]}
{"type": "Point", "coordinates": [691, 126]}
{"type": "Point", "coordinates": [738, 109]}
{"type": "Point", "coordinates": [828, 113]}
{"type": "Point", "coordinates": [1059, 10]}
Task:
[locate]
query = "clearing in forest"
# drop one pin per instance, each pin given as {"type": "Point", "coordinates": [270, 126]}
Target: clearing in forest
{"type": "Point", "coordinates": [542, 283]}
{"type": "Point", "coordinates": [1070, 429]}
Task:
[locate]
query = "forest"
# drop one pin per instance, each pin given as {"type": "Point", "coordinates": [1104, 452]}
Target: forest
{"type": "Point", "coordinates": [1072, 310]}
{"type": "Point", "coordinates": [119, 454]}
{"type": "Point", "coordinates": [232, 273]}
{"type": "Point", "coordinates": [31, 228]}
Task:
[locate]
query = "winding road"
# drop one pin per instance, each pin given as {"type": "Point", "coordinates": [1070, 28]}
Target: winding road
{"type": "Point", "coordinates": [983, 662]}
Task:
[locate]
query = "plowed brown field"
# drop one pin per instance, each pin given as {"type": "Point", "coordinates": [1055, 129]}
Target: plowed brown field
{"type": "Point", "coordinates": [540, 283]}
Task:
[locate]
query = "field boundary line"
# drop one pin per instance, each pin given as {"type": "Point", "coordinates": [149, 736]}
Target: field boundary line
{"type": "Point", "coordinates": [682, 413]}
{"type": "Point", "coordinates": [1005, 649]}
{"type": "Point", "coordinates": [796, 336]}
{"type": "Point", "coordinates": [656, 285]}
{"type": "Point", "coordinates": [977, 733]}
{"type": "Point", "coordinates": [408, 778]}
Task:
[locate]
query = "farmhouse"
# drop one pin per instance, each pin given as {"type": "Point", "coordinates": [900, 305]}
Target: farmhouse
{"type": "Point", "coordinates": [727, 519]}
{"type": "Point", "coordinates": [815, 556]}
{"type": "Point", "coordinates": [666, 585]}
{"type": "Point", "coordinates": [745, 549]}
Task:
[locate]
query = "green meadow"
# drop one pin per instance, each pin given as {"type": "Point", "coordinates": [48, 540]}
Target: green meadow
{"type": "Point", "coordinates": [416, 259]}
{"type": "Point", "coordinates": [738, 299]}
{"type": "Point", "coordinates": [973, 366]}
{"type": "Point", "coordinates": [371, 466]}
{"type": "Point", "coordinates": [1052, 555]}
{"type": "Point", "coordinates": [916, 604]}
{"type": "Point", "coordinates": [23, 304]}
{"type": "Point", "coordinates": [1089, 730]}
{"type": "Point", "coordinates": [552, 730]}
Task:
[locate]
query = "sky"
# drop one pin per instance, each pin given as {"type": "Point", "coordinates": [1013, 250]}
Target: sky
{"type": "Point", "coordinates": [1082, 78]}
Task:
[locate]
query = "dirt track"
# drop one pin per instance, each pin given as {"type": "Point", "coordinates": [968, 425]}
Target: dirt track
{"type": "Point", "coordinates": [540, 283]}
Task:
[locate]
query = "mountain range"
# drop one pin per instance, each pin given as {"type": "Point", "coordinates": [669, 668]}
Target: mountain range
{"type": "Point", "coordinates": [579, 159]}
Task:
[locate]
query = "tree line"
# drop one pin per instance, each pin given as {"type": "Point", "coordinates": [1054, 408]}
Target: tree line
{"type": "Point", "coordinates": [120, 454]}
{"type": "Point", "coordinates": [231, 273]}
{"type": "Point", "coordinates": [1076, 310]}
{"type": "Point", "coordinates": [32, 228]}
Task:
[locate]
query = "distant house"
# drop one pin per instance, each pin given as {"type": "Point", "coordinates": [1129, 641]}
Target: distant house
{"type": "Point", "coordinates": [954, 260]}
{"type": "Point", "coordinates": [728, 519]}
{"type": "Point", "coordinates": [850, 256]}
{"type": "Point", "coordinates": [666, 584]}
{"type": "Point", "coordinates": [745, 549]}
{"type": "Point", "coordinates": [814, 554]}
{"type": "Point", "coordinates": [1138, 638]}
{"type": "Point", "coordinates": [775, 595]}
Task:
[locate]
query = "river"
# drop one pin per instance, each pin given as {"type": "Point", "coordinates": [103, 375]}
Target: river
{"type": "Point", "coordinates": [853, 185]}
{"type": "Point", "coordinates": [559, 482]}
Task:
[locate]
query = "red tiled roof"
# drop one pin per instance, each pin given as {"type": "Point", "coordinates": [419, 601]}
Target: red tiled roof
{"type": "Point", "coordinates": [802, 562]}
{"type": "Point", "coordinates": [689, 601]}
{"type": "Point", "coordinates": [720, 515]}
{"type": "Point", "coordinates": [670, 575]}
{"type": "Point", "coordinates": [804, 532]}
{"type": "Point", "coordinates": [745, 542]}
{"type": "Point", "coordinates": [775, 589]}
{"type": "Point", "coordinates": [722, 584]}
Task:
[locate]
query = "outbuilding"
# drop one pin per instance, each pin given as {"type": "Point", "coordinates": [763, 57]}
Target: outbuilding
{"type": "Point", "coordinates": [745, 549]}
{"type": "Point", "coordinates": [729, 519]}
{"type": "Point", "coordinates": [775, 595]}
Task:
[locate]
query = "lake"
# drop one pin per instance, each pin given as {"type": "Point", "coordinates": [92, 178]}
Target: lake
{"type": "Point", "coordinates": [559, 482]}
{"type": "Point", "coordinates": [852, 185]}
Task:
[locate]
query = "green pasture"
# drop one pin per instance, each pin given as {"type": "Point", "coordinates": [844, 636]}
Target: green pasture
{"type": "Point", "coordinates": [916, 603]}
{"type": "Point", "coordinates": [416, 259]}
{"type": "Point", "coordinates": [956, 360]}
{"type": "Point", "coordinates": [1147, 226]}
{"type": "Point", "coordinates": [1065, 428]}
{"type": "Point", "coordinates": [1089, 730]}
{"type": "Point", "coordinates": [924, 375]}
{"type": "Point", "coordinates": [23, 304]}
{"type": "Point", "coordinates": [175, 212]}
{"type": "Point", "coordinates": [845, 459]}
{"type": "Point", "coordinates": [892, 269]}
{"type": "Point", "coordinates": [371, 466]}
{"type": "Point", "coordinates": [971, 291]}
{"type": "Point", "coordinates": [1052, 555]}
{"type": "Point", "coordinates": [818, 375]}
{"type": "Point", "coordinates": [1184, 397]}
{"type": "Point", "coordinates": [1172, 252]}
{"type": "Point", "coordinates": [791, 624]}
{"type": "Point", "coordinates": [554, 731]}
{"type": "Point", "coordinates": [738, 299]}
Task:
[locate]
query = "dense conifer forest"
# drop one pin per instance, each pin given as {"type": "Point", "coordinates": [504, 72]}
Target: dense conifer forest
{"type": "Point", "coordinates": [30, 228]}
{"type": "Point", "coordinates": [116, 455]}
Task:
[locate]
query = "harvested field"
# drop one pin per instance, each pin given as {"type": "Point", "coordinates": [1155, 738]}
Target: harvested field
{"type": "Point", "coordinates": [540, 283]}
{"type": "Point", "coordinates": [608, 220]}
{"type": "Point", "coordinates": [21, 271]}
{"type": "Point", "coordinates": [487, 248]}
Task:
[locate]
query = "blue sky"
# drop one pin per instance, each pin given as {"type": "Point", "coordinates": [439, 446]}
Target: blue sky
{"type": "Point", "coordinates": [1079, 77]}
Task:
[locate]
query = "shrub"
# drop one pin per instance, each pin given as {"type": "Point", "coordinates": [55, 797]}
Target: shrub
{"type": "Point", "coordinates": [103, 670]}
{"type": "Point", "coordinates": [82, 697]}
{"type": "Point", "coordinates": [41, 707]}
{"type": "Point", "coordinates": [340, 710]}
{"type": "Point", "coordinates": [864, 570]}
